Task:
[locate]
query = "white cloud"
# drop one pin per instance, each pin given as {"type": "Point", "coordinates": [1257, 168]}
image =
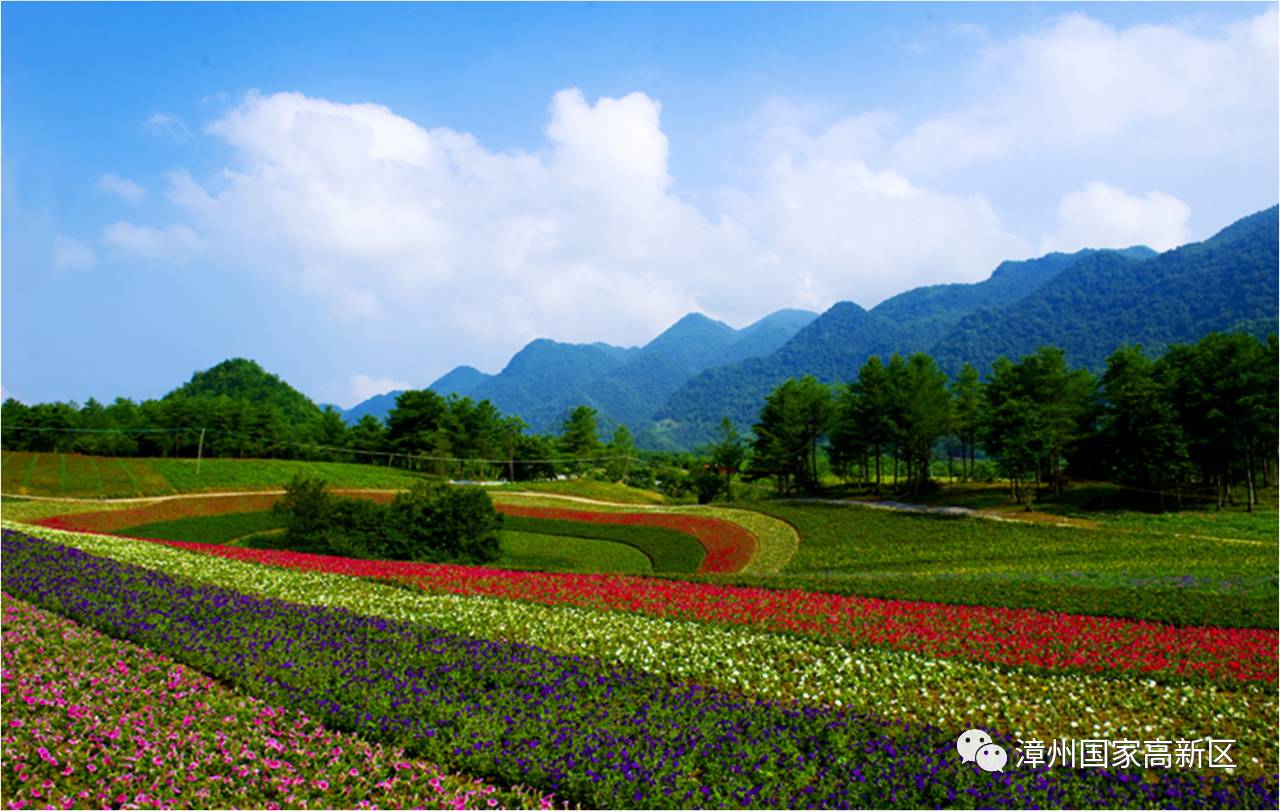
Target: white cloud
{"type": "Point", "coordinates": [1103, 216]}
{"type": "Point", "coordinates": [176, 243]}
{"type": "Point", "coordinates": [70, 254]}
{"type": "Point", "coordinates": [362, 387]}
{"type": "Point", "coordinates": [122, 187]}
{"type": "Point", "coordinates": [846, 230]}
{"type": "Point", "coordinates": [1080, 82]}
{"type": "Point", "coordinates": [423, 238]}
{"type": "Point", "coordinates": [167, 125]}
{"type": "Point", "coordinates": [422, 233]}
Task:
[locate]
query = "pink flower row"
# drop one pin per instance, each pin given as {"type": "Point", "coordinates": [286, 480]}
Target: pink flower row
{"type": "Point", "coordinates": [90, 721]}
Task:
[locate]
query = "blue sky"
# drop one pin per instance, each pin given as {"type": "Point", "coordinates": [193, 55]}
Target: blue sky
{"type": "Point", "coordinates": [363, 196]}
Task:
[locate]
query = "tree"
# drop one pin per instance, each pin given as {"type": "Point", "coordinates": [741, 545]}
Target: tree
{"type": "Point", "coordinates": [331, 430]}
{"type": "Point", "coordinates": [579, 438]}
{"type": "Point", "coordinates": [415, 419]}
{"type": "Point", "coordinates": [792, 423]}
{"type": "Point", "coordinates": [1138, 427]}
{"type": "Point", "coordinates": [369, 435]}
{"type": "Point", "coordinates": [1222, 391]}
{"type": "Point", "coordinates": [727, 455]}
{"type": "Point", "coordinates": [1035, 414]}
{"type": "Point", "coordinates": [966, 392]}
{"type": "Point", "coordinates": [923, 414]}
{"type": "Point", "coordinates": [621, 449]}
{"type": "Point", "coordinates": [440, 523]}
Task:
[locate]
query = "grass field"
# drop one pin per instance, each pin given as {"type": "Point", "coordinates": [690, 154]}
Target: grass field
{"type": "Point", "coordinates": [1114, 506]}
{"type": "Point", "coordinates": [665, 549]}
{"type": "Point", "coordinates": [1107, 571]}
{"type": "Point", "coordinates": [72, 475]}
{"type": "Point", "coordinates": [208, 528]}
{"type": "Point", "coordinates": [563, 553]}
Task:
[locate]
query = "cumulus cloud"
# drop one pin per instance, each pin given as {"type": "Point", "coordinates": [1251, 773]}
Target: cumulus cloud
{"type": "Point", "coordinates": [362, 387]}
{"type": "Point", "coordinates": [1103, 216]}
{"type": "Point", "coordinates": [417, 235]}
{"type": "Point", "coordinates": [176, 243]}
{"type": "Point", "coordinates": [71, 254]}
{"type": "Point", "coordinates": [121, 187]}
{"type": "Point", "coordinates": [403, 227]}
{"type": "Point", "coordinates": [1080, 82]}
{"type": "Point", "coordinates": [843, 229]}
{"type": "Point", "coordinates": [167, 125]}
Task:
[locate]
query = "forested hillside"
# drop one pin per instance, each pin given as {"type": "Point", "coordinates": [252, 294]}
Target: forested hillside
{"type": "Point", "coordinates": [241, 379]}
{"type": "Point", "coordinates": [1088, 303]}
{"type": "Point", "coordinates": [1225, 283]}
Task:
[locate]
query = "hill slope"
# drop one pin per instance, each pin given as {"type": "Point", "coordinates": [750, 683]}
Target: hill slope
{"type": "Point", "coordinates": [1225, 283]}
{"type": "Point", "coordinates": [838, 342]}
{"type": "Point", "coordinates": [243, 379]}
{"type": "Point", "coordinates": [1089, 303]}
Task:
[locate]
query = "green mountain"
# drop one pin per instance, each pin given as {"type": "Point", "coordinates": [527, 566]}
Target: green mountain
{"type": "Point", "coordinates": [461, 381]}
{"type": "Point", "coordinates": [630, 392]}
{"type": "Point", "coordinates": [838, 342]}
{"type": "Point", "coordinates": [545, 374]}
{"type": "Point", "coordinates": [1089, 303]}
{"type": "Point", "coordinates": [242, 379]}
{"type": "Point", "coordinates": [378, 405]}
{"type": "Point", "coordinates": [764, 336]}
{"type": "Point", "coordinates": [1225, 283]}
{"type": "Point", "coordinates": [544, 381]}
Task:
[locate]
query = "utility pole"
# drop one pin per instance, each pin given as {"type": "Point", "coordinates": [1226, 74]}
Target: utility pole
{"type": "Point", "coordinates": [199, 451]}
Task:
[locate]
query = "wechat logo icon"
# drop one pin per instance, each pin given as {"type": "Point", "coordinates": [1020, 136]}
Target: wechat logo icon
{"type": "Point", "coordinates": [975, 746]}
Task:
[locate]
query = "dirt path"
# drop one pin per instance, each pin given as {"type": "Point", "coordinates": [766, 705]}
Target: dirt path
{"type": "Point", "coordinates": [1017, 517]}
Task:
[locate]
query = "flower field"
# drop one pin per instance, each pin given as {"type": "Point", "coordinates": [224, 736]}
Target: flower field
{"type": "Point", "coordinates": [721, 689]}
{"type": "Point", "coordinates": [1011, 637]}
{"type": "Point", "coordinates": [949, 692]}
{"type": "Point", "coordinates": [94, 721]}
{"type": "Point", "coordinates": [592, 729]}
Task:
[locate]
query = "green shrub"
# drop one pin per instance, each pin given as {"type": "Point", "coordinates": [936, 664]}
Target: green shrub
{"type": "Point", "coordinates": [432, 522]}
{"type": "Point", "coordinates": [441, 523]}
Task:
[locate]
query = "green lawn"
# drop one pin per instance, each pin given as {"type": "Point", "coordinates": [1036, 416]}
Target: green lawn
{"type": "Point", "coordinates": [72, 475]}
{"type": "Point", "coordinates": [213, 529]}
{"type": "Point", "coordinates": [562, 553]}
{"type": "Point", "coordinates": [1117, 507]}
{"type": "Point", "coordinates": [1113, 571]}
{"type": "Point", "coordinates": [665, 549]}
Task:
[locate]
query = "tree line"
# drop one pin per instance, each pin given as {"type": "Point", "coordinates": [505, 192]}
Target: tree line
{"type": "Point", "coordinates": [1201, 418]}
{"type": "Point", "coordinates": [453, 437]}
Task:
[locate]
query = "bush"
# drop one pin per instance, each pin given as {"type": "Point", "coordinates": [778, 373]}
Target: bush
{"type": "Point", "coordinates": [307, 510]}
{"type": "Point", "coordinates": [441, 523]}
{"type": "Point", "coordinates": [433, 522]}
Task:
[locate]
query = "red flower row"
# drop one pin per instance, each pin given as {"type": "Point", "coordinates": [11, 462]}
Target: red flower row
{"type": "Point", "coordinates": [1005, 636]}
{"type": "Point", "coordinates": [729, 546]}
